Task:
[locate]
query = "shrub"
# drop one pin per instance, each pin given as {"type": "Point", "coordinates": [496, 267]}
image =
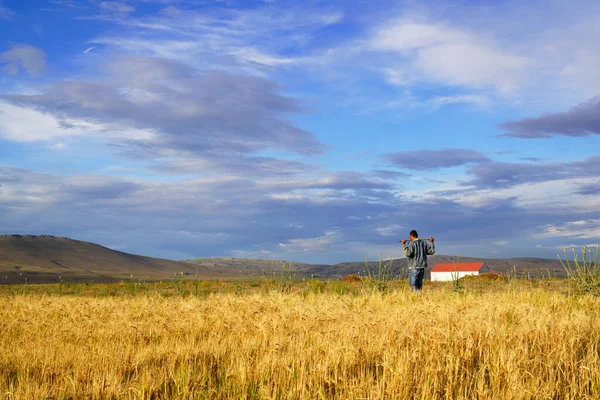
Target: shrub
{"type": "Point", "coordinates": [340, 287]}
{"type": "Point", "coordinates": [352, 278]}
{"type": "Point", "coordinates": [316, 286]}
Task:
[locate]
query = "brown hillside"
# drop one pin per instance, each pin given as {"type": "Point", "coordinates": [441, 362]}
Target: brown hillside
{"type": "Point", "coordinates": [46, 258]}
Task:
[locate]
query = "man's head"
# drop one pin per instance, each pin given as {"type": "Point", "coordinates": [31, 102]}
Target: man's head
{"type": "Point", "coordinates": [414, 235]}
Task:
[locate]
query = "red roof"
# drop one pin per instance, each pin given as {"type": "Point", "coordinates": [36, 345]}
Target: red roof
{"type": "Point", "coordinates": [463, 267]}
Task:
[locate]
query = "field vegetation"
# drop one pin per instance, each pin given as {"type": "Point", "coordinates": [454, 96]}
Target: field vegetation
{"type": "Point", "coordinates": [280, 339]}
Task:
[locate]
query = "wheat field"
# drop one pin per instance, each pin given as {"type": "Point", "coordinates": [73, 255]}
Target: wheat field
{"type": "Point", "coordinates": [503, 344]}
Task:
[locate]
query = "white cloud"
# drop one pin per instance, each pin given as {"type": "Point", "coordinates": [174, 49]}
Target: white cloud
{"type": "Point", "coordinates": [447, 55]}
{"type": "Point", "coordinates": [331, 18]}
{"type": "Point", "coordinates": [390, 230]}
{"type": "Point", "coordinates": [312, 245]}
{"type": "Point", "coordinates": [22, 124]}
{"type": "Point", "coordinates": [405, 36]}
{"type": "Point", "coordinates": [59, 147]}
{"type": "Point", "coordinates": [508, 53]}
{"type": "Point", "coordinates": [396, 76]}
{"type": "Point", "coordinates": [557, 194]}
{"type": "Point", "coordinates": [472, 65]}
{"type": "Point", "coordinates": [24, 57]}
{"type": "Point", "coordinates": [568, 54]}
{"type": "Point", "coordinates": [579, 229]}
{"type": "Point", "coordinates": [26, 125]}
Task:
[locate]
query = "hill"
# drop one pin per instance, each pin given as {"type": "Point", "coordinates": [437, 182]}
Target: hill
{"type": "Point", "coordinates": [45, 259]}
{"type": "Point", "coordinates": [42, 259]}
{"type": "Point", "coordinates": [49, 258]}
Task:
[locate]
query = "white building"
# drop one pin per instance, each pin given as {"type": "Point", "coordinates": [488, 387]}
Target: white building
{"type": "Point", "coordinates": [447, 272]}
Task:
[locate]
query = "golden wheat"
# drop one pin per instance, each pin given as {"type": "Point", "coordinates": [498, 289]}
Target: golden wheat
{"type": "Point", "coordinates": [502, 345]}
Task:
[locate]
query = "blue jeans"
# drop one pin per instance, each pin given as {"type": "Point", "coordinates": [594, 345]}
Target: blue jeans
{"type": "Point", "coordinates": [415, 278]}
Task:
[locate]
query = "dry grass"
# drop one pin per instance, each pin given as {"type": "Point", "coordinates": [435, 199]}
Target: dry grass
{"type": "Point", "coordinates": [499, 345]}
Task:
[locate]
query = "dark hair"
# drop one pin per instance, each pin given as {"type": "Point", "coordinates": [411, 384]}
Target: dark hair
{"type": "Point", "coordinates": [414, 234]}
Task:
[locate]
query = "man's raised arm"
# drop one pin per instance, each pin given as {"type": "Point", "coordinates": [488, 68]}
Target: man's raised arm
{"type": "Point", "coordinates": [431, 247]}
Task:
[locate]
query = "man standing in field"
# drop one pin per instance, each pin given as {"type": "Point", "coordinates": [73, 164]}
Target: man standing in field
{"type": "Point", "coordinates": [417, 251]}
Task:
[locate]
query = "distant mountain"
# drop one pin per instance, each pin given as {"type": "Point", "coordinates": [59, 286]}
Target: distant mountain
{"type": "Point", "coordinates": [256, 266]}
{"type": "Point", "coordinates": [41, 259]}
{"type": "Point", "coordinates": [523, 267]}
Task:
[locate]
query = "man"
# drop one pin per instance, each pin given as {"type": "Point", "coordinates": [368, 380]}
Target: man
{"type": "Point", "coordinates": [417, 251]}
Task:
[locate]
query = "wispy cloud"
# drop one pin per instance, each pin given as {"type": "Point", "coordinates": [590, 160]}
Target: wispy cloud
{"type": "Point", "coordinates": [479, 100]}
{"type": "Point", "coordinates": [69, 4]}
{"type": "Point", "coordinates": [254, 38]}
{"type": "Point", "coordinates": [424, 160]}
{"type": "Point", "coordinates": [115, 9]}
{"type": "Point", "coordinates": [5, 13]}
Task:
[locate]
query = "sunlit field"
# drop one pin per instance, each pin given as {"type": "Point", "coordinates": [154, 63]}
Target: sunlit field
{"type": "Point", "coordinates": [506, 339]}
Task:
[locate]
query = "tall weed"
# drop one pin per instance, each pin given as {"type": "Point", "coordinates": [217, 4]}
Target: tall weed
{"type": "Point", "coordinates": [378, 280]}
{"type": "Point", "coordinates": [584, 273]}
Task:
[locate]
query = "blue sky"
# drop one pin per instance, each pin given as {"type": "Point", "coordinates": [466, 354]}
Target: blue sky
{"type": "Point", "coordinates": [314, 131]}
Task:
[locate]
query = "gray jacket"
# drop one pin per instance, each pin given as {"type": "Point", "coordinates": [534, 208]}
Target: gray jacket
{"type": "Point", "coordinates": [417, 252]}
